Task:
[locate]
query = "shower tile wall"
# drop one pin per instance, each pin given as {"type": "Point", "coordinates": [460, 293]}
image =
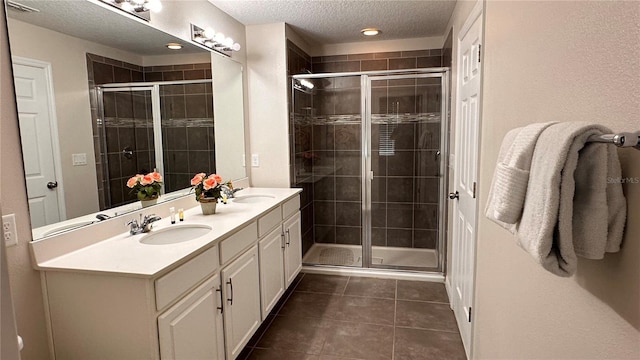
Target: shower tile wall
{"type": "Point", "coordinates": [187, 133]}
{"type": "Point", "coordinates": [299, 62]}
{"type": "Point", "coordinates": [129, 123]}
{"type": "Point", "coordinates": [405, 190]}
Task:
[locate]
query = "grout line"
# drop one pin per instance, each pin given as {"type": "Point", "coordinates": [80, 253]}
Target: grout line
{"type": "Point", "coordinates": [395, 314]}
{"type": "Point", "coordinates": [425, 301]}
{"type": "Point", "coordinates": [345, 286]}
{"type": "Point", "coordinates": [430, 329]}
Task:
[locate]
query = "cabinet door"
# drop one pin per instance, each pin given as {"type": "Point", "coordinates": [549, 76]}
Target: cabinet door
{"type": "Point", "coordinates": [192, 328]}
{"type": "Point", "coordinates": [293, 248]}
{"type": "Point", "coordinates": [271, 270]}
{"type": "Point", "coordinates": [241, 289]}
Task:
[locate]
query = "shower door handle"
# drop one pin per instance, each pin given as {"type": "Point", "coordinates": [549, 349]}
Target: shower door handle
{"type": "Point", "coordinates": [455, 195]}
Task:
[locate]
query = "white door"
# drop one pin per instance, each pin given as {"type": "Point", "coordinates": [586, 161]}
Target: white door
{"type": "Point", "coordinates": [37, 132]}
{"type": "Point", "coordinates": [272, 273]}
{"type": "Point", "coordinates": [293, 248]}
{"type": "Point", "coordinates": [242, 301]}
{"type": "Point", "coordinates": [467, 128]}
{"type": "Point", "coordinates": [192, 329]}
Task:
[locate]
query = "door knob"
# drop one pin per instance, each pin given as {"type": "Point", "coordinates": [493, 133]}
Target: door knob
{"type": "Point", "coordinates": [455, 195]}
{"type": "Point", "coordinates": [52, 184]}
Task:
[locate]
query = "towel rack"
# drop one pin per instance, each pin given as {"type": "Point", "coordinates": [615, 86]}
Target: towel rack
{"type": "Point", "coordinates": [619, 140]}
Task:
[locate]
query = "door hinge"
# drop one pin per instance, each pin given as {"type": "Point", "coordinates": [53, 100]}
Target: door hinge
{"type": "Point", "coordinates": [479, 51]}
{"type": "Point", "coordinates": [474, 189]}
{"type": "Point", "coordinates": [470, 313]}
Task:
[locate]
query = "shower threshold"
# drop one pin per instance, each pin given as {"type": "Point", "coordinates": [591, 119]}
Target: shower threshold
{"type": "Point", "coordinates": [351, 255]}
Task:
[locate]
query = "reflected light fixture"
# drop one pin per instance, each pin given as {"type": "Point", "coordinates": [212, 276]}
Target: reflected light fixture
{"type": "Point", "coordinates": [214, 40]}
{"type": "Point", "coordinates": [173, 46]}
{"type": "Point", "coordinates": [370, 32]}
{"type": "Point", "coordinates": [139, 8]}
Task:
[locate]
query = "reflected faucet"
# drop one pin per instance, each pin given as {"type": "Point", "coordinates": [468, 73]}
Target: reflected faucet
{"type": "Point", "coordinates": [229, 192]}
{"type": "Point", "coordinates": [145, 225]}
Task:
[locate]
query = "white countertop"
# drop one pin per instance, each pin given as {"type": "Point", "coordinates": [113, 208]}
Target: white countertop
{"type": "Point", "coordinates": [125, 255]}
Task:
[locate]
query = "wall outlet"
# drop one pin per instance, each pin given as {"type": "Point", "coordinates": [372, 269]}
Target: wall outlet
{"type": "Point", "coordinates": [9, 230]}
{"type": "Point", "coordinates": [255, 160]}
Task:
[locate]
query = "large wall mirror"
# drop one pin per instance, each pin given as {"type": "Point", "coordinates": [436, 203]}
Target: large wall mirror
{"type": "Point", "coordinates": [102, 98]}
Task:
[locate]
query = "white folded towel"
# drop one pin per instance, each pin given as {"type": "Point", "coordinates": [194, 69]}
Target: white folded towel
{"type": "Point", "coordinates": [511, 177]}
{"type": "Point", "coordinates": [570, 209]}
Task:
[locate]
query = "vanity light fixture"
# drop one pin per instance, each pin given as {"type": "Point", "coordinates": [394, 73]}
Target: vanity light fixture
{"type": "Point", "coordinates": [174, 46]}
{"type": "Point", "coordinates": [214, 40]}
{"type": "Point", "coordinates": [370, 31]}
{"type": "Point", "coordinates": [139, 8]}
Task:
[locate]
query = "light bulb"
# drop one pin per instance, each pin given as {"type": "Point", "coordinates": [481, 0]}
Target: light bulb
{"type": "Point", "coordinates": [154, 5]}
{"type": "Point", "coordinates": [208, 43]}
{"type": "Point", "coordinates": [209, 33]}
{"type": "Point", "coordinates": [228, 42]}
{"type": "Point", "coordinates": [219, 38]}
{"type": "Point", "coordinates": [236, 47]}
{"type": "Point", "coordinates": [137, 2]}
{"type": "Point", "coordinates": [126, 6]}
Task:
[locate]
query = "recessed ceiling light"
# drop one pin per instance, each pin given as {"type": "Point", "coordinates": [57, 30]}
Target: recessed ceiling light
{"type": "Point", "coordinates": [174, 46]}
{"type": "Point", "coordinates": [370, 31]}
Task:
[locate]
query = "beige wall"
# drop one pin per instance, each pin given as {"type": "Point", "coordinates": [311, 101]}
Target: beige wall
{"type": "Point", "coordinates": [25, 282]}
{"type": "Point", "coordinates": [434, 42]}
{"type": "Point", "coordinates": [268, 111]}
{"type": "Point", "coordinates": [562, 61]}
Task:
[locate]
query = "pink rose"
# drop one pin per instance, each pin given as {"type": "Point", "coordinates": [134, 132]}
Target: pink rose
{"type": "Point", "coordinates": [156, 176]}
{"type": "Point", "coordinates": [209, 184]}
{"type": "Point", "coordinates": [146, 180]}
{"type": "Point", "coordinates": [216, 177]}
{"type": "Point", "coordinates": [132, 181]}
{"type": "Point", "coordinates": [197, 179]}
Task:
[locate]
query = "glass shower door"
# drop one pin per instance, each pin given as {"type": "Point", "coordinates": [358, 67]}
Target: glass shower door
{"type": "Point", "coordinates": [404, 193]}
{"type": "Point", "coordinates": [126, 139]}
{"type": "Point", "coordinates": [327, 129]}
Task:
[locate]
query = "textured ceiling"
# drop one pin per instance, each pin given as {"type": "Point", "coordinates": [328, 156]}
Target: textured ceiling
{"type": "Point", "coordinates": [335, 22]}
{"type": "Point", "coordinates": [92, 22]}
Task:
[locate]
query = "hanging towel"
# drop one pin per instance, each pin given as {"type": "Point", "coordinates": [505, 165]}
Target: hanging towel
{"type": "Point", "coordinates": [570, 208]}
{"type": "Point", "coordinates": [511, 176]}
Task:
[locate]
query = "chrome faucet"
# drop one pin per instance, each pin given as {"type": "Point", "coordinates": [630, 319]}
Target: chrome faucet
{"type": "Point", "coordinates": [145, 224]}
{"type": "Point", "coordinates": [229, 192]}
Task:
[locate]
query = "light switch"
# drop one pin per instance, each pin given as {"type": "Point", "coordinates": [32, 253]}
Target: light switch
{"type": "Point", "coordinates": [255, 160]}
{"type": "Point", "coordinates": [79, 159]}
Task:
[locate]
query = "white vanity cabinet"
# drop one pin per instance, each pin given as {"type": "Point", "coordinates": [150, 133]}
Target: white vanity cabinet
{"type": "Point", "coordinates": [206, 304]}
{"type": "Point", "coordinates": [241, 292]}
{"type": "Point", "coordinates": [280, 252]}
{"type": "Point", "coordinates": [193, 329]}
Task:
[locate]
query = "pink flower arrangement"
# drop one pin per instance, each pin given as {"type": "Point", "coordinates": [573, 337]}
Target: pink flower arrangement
{"type": "Point", "coordinates": [209, 186]}
{"type": "Point", "coordinates": [146, 187]}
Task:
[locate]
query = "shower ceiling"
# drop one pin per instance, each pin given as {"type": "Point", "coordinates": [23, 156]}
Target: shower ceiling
{"type": "Point", "coordinates": [335, 22]}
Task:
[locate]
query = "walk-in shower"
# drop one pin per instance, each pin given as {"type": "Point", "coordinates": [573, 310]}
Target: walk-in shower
{"type": "Point", "coordinates": [369, 150]}
{"type": "Point", "coordinates": [142, 126]}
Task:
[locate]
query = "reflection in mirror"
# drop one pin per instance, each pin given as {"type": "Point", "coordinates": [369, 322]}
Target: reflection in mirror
{"type": "Point", "coordinates": [100, 98]}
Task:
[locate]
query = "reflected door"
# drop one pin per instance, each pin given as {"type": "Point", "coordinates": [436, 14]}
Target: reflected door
{"type": "Point", "coordinates": [34, 102]}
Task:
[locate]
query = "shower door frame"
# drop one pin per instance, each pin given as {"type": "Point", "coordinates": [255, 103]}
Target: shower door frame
{"type": "Point", "coordinates": [156, 112]}
{"type": "Point", "coordinates": [367, 176]}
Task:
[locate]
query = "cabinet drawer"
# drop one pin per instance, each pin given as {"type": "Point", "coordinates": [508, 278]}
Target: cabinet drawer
{"type": "Point", "coordinates": [178, 281]}
{"type": "Point", "coordinates": [234, 244]}
{"type": "Point", "coordinates": [269, 221]}
{"type": "Point", "coordinates": [290, 207]}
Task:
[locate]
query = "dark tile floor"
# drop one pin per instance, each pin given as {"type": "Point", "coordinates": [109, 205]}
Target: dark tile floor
{"type": "Point", "coordinates": [329, 317]}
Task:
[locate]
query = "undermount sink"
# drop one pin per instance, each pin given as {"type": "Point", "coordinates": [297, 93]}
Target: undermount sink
{"type": "Point", "coordinates": [252, 199]}
{"type": "Point", "coordinates": [175, 234]}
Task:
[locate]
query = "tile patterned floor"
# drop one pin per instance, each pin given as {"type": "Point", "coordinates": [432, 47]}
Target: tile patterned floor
{"type": "Point", "coordinates": [329, 317]}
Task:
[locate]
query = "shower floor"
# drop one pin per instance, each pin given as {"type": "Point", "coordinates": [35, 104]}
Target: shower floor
{"type": "Point", "coordinates": [351, 255]}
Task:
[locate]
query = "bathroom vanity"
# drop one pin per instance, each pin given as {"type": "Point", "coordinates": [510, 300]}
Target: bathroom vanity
{"type": "Point", "coordinates": [185, 293]}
